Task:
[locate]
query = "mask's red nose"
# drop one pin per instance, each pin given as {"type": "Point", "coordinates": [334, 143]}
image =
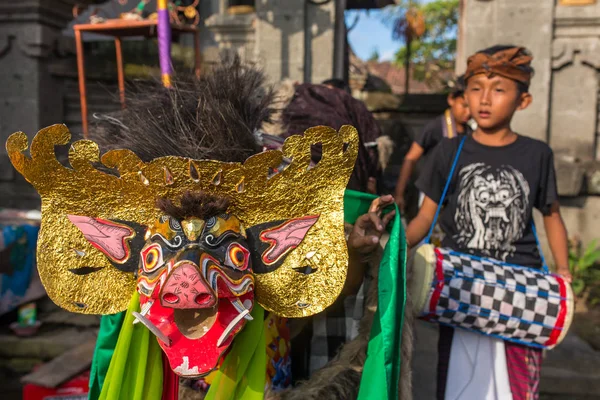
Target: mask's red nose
{"type": "Point", "coordinates": [186, 288]}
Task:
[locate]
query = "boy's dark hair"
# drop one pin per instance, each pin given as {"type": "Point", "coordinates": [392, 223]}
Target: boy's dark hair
{"type": "Point", "coordinates": [456, 88]}
{"type": "Point", "coordinates": [337, 83]}
{"type": "Point", "coordinates": [523, 88]}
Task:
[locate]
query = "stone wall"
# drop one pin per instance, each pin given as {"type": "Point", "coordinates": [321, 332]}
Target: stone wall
{"type": "Point", "coordinates": [575, 66]}
{"type": "Point", "coordinates": [528, 23]}
{"type": "Point", "coordinates": [274, 36]}
{"type": "Point", "coordinates": [30, 41]}
{"type": "Point", "coordinates": [280, 39]}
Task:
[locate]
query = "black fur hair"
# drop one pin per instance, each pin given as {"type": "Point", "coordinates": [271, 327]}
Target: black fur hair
{"type": "Point", "coordinates": [523, 88]}
{"type": "Point", "coordinates": [194, 204]}
{"type": "Point", "coordinates": [213, 117]}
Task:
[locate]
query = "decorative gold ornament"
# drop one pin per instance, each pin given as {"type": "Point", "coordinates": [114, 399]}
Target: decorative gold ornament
{"type": "Point", "coordinates": [80, 278]}
{"type": "Point", "coordinates": [192, 227]}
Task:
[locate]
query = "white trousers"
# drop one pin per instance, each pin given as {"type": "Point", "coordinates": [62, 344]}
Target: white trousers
{"type": "Point", "coordinates": [477, 368]}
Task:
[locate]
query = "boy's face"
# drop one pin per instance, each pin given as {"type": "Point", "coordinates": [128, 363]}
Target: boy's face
{"type": "Point", "coordinates": [493, 101]}
{"type": "Point", "coordinates": [460, 110]}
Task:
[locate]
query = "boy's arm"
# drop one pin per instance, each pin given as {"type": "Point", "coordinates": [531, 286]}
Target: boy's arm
{"type": "Point", "coordinates": [420, 225]}
{"type": "Point", "coordinates": [414, 153]}
{"type": "Point", "coordinates": [557, 238]}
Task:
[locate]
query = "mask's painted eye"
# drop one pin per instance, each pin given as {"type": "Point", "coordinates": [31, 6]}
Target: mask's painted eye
{"type": "Point", "coordinates": [237, 257]}
{"type": "Point", "coordinates": [152, 258]}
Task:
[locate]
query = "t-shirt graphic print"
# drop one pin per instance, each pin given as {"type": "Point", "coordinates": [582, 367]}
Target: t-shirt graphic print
{"type": "Point", "coordinates": [491, 209]}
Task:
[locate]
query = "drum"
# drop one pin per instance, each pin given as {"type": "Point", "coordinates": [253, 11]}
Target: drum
{"type": "Point", "coordinates": [510, 302]}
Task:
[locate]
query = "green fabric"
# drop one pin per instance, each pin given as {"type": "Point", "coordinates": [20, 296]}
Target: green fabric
{"type": "Point", "coordinates": [135, 371]}
{"type": "Point", "coordinates": [381, 373]}
{"type": "Point", "coordinates": [110, 327]}
{"type": "Point", "coordinates": [243, 373]}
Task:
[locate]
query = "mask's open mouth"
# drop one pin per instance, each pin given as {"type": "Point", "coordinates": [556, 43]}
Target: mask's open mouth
{"type": "Point", "coordinates": [195, 323]}
{"type": "Point", "coordinates": [194, 340]}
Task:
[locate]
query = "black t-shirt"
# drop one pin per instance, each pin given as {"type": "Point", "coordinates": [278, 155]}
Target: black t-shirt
{"type": "Point", "coordinates": [488, 207]}
{"type": "Point", "coordinates": [433, 133]}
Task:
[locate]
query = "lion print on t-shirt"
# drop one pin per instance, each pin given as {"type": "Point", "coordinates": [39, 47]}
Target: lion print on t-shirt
{"type": "Point", "coordinates": [491, 209]}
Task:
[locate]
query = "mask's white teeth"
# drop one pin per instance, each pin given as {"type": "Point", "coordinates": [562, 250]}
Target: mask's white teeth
{"type": "Point", "coordinates": [152, 328]}
{"type": "Point", "coordinates": [230, 327]}
{"type": "Point", "coordinates": [144, 310]}
{"type": "Point", "coordinates": [240, 307]}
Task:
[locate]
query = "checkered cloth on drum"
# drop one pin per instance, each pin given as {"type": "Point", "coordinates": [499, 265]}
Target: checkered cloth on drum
{"type": "Point", "coordinates": [514, 303]}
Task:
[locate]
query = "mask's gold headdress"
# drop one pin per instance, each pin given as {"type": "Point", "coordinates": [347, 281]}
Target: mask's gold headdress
{"type": "Point", "coordinates": [80, 277]}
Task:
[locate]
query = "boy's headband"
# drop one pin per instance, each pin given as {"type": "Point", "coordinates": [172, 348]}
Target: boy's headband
{"type": "Point", "coordinates": [505, 63]}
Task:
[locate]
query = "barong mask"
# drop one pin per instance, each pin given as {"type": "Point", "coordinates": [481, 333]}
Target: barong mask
{"type": "Point", "coordinates": [223, 235]}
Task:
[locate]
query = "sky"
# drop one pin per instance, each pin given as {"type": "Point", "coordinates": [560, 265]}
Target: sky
{"type": "Point", "coordinates": [371, 34]}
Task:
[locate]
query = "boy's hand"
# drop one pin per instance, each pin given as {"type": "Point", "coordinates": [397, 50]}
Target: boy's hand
{"type": "Point", "coordinates": [368, 228]}
{"type": "Point", "coordinates": [565, 273]}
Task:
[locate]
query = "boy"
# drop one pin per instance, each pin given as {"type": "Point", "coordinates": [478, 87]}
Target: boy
{"type": "Point", "coordinates": [500, 177]}
{"type": "Point", "coordinates": [451, 123]}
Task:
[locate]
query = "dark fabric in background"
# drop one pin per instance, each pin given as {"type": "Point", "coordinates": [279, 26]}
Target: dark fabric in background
{"type": "Point", "coordinates": [314, 105]}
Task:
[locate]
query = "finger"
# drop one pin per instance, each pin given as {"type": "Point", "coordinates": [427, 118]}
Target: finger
{"type": "Point", "coordinates": [388, 217]}
{"type": "Point", "coordinates": [362, 222]}
{"type": "Point", "coordinates": [380, 203]}
{"type": "Point", "coordinates": [376, 221]}
{"type": "Point", "coordinates": [375, 205]}
{"type": "Point", "coordinates": [363, 244]}
{"type": "Point", "coordinates": [387, 199]}
{"type": "Point", "coordinates": [567, 277]}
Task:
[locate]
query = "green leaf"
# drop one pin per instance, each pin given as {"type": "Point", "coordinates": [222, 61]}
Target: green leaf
{"type": "Point", "coordinates": [578, 285]}
{"type": "Point", "coordinates": [590, 256]}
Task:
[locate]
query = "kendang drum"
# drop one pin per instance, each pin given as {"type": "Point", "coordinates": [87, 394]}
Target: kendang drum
{"type": "Point", "coordinates": [510, 302]}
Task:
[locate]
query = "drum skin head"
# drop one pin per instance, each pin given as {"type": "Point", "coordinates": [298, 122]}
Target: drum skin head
{"type": "Point", "coordinates": [423, 264]}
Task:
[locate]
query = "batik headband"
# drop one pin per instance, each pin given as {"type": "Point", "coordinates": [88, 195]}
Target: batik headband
{"type": "Point", "coordinates": [508, 63]}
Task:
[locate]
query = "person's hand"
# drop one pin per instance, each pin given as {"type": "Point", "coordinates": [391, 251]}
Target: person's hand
{"type": "Point", "coordinates": [368, 228]}
{"type": "Point", "coordinates": [565, 273]}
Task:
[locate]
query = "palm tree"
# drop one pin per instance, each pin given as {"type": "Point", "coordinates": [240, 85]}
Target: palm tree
{"type": "Point", "coordinates": [408, 24]}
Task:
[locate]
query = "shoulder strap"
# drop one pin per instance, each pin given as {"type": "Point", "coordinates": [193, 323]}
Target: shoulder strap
{"type": "Point", "coordinates": [450, 175]}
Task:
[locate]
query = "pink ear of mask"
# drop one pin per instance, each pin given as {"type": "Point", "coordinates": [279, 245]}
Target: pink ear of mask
{"type": "Point", "coordinates": [108, 237]}
{"type": "Point", "coordinates": [286, 237]}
